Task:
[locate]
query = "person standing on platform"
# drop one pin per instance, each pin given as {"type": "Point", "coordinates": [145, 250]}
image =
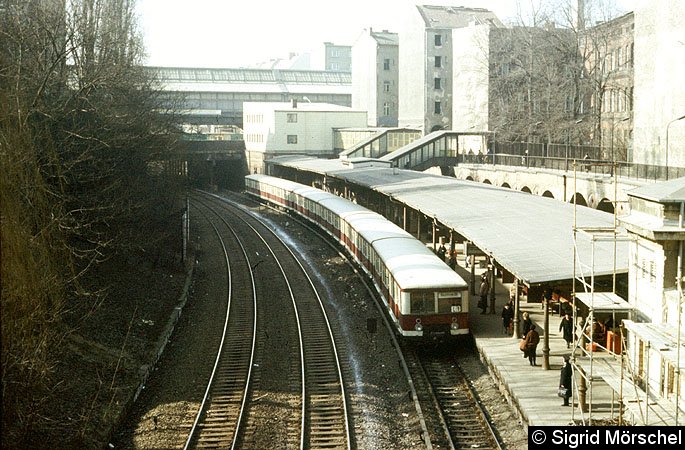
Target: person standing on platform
{"type": "Point", "coordinates": [566, 326]}
{"type": "Point", "coordinates": [525, 324]}
{"type": "Point", "coordinates": [507, 317]}
{"type": "Point", "coordinates": [483, 291]}
{"type": "Point", "coordinates": [441, 252]}
{"type": "Point", "coordinates": [566, 379]}
{"type": "Point", "coordinates": [530, 343]}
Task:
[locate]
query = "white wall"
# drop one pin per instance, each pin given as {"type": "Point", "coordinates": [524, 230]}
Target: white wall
{"type": "Point", "coordinates": [645, 282]}
{"type": "Point", "coordinates": [470, 78]}
{"type": "Point", "coordinates": [659, 95]}
{"type": "Point", "coordinates": [313, 128]}
{"type": "Point", "coordinates": [364, 77]}
{"type": "Point", "coordinates": [412, 81]}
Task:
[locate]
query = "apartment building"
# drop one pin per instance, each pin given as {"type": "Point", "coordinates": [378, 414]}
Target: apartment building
{"type": "Point", "coordinates": [338, 58]}
{"type": "Point", "coordinates": [375, 78]}
{"type": "Point", "coordinates": [608, 52]}
{"type": "Point", "coordinates": [428, 49]}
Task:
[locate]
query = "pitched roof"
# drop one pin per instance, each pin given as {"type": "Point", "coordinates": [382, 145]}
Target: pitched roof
{"type": "Point", "coordinates": [385, 37]}
{"type": "Point", "coordinates": [456, 16]}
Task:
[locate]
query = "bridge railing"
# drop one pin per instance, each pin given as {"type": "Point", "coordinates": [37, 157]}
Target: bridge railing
{"type": "Point", "coordinates": [595, 166]}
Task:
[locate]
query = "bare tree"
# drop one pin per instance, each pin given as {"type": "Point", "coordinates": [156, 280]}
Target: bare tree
{"type": "Point", "coordinates": [81, 141]}
{"type": "Point", "coordinates": [548, 80]}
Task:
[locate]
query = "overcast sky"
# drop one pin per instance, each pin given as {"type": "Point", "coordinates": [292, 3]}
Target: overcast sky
{"type": "Point", "coordinates": [241, 33]}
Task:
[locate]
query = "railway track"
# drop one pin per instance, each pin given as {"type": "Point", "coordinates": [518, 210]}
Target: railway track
{"type": "Point", "coordinates": [323, 417]}
{"type": "Point", "coordinates": [449, 414]}
{"type": "Point", "coordinates": [467, 422]}
{"type": "Point", "coordinates": [447, 407]}
{"type": "Point", "coordinates": [223, 404]}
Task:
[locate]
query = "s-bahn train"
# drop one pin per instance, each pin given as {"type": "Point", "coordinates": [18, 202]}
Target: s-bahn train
{"type": "Point", "coordinates": [423, 296]}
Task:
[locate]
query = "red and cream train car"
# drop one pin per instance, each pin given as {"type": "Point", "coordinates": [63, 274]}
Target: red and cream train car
{"type": "Point", "coordinates": [423, 296]}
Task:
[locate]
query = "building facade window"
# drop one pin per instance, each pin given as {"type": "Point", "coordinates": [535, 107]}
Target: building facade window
{"type": "Point", "coordinates": [437, 109]}
{"type": "Point", "coordinates": [292, 139]}
{"type": "Point", "coordinates": [292, 118]}
{"type": "Point", "coordinates": [438, 61]}
{"type": "Point", "coordinates": [437, 83]}
{"type": "Point", "coordinates": [438, 40]}
{"type": "Point", "coordinates": [386, 86]}
{"type": "Point", "coordinates": [386, 64]}
{"type": "Point", "coordinates": [386, 109]}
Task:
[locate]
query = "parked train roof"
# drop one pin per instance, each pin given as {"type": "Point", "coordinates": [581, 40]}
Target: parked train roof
{"type": "Point", "coordinates": [343, 207]}
{"type": "Point", "coordinates": [375, 227]}
{"type": "Point", "coordinates": [529, 235]}
{"type": "Point", "coordinates": [414, 266]}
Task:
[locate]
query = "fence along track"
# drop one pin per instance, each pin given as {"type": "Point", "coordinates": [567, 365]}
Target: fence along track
{"type": "Point", "coordinates": [219, 417]}
{"type": "Point", "coordinates": [325, 422]}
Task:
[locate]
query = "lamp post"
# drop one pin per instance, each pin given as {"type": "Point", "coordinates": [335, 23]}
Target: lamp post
{"type": "Point", "coordinates": [669, 124]}
{"type": "Point", "coordinates": [567, 148]}
{"type": "Point", "coordinates": [613, 155]}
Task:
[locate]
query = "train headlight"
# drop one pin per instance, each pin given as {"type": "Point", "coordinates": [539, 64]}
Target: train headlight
{"type": "Point", "coordinates": [455, 324]}
{"type": "Point", "coordinates": [418, 327]}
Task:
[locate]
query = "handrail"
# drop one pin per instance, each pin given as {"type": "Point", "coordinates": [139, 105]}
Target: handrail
{"type": "Point", "coordinates": [623, 169]}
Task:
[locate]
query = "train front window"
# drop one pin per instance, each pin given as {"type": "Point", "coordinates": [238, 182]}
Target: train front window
{"type": "Point", "coordinates": [449, 302]}
{"type": "Point", "coordinates": [422, 303]}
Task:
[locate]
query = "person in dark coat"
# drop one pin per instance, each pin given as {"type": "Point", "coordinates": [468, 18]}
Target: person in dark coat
{"type": "Point", "coordinates": [531, 342]}
{"type": "Point", "coordinates": [566, 326]}
{"type": "Point", "coordinates": [566, 379]}
{"type": "Point", "coordinates": [525, 324]}
{"type": "Point", "coordinates": [483, 291]}
{"type": "Point", "coordinates": [507, 317]}
{"type": "Point", "coordinates": [441, 252]}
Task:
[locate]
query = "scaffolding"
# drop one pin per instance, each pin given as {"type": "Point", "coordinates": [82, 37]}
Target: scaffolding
{"type": "Point", "coordinates": [609, 359]}
{"type": "Point", "coordinates": [592, 336]}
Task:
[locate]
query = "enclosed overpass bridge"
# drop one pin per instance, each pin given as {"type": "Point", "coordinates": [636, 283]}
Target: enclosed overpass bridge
{"type": "Point", "coordinates": [223, 91]}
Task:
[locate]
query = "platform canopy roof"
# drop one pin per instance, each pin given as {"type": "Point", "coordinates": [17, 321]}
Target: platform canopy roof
{"type": "Point", "coordinates": [672, 191]}
{"type": "Point", "coordinates": [662, 337]}
{"type": "Point", "coordinates": [604, 302]}
{"type": "Point", "coordinates": [530, 236]}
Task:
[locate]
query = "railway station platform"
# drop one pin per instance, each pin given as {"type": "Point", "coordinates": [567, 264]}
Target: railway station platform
{"type": "Point", "coordinates": [532, 390]}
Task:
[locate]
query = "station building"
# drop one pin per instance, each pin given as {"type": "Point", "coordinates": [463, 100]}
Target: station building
{"type": "Point", "coordinates": [294, 128]}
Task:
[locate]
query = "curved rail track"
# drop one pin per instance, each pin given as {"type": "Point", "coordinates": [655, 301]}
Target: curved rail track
{"type": "Point", "coordinates": [449, 411]}
{"type": "Point", "coordinates": [323, 416]}
{"type": "Point", "coordinates": [223, 404]}
{"type": "Point", "coordinates": [448, 408]}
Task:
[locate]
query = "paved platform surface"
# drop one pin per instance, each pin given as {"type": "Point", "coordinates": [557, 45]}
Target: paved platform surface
{"type": "Point", "coordinates": [532, 390]}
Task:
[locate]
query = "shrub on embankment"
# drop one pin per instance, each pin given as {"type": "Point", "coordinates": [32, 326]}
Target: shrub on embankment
{"type": "Point", "coordinates": [86, 163]}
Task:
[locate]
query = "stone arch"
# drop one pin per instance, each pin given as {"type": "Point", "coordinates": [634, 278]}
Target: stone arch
{"type": "Point", "coordinates": [506, 185]}
{"type": "Point", "coordinates": [578, 199]}
{"type": "Point", "coordinates": [486, 181]}
{"type": "Point", "coordinates": [526, 189]}
{"type": "Point", "coordinates": [469, 178]}
{"type": "Point", "coordinates": [548, 194]}
{"type": "Point", "coordinates": [605, 205]}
